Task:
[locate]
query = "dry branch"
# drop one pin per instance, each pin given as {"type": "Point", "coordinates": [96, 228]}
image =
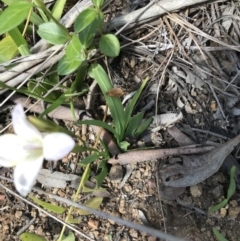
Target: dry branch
{"type": "Point", "coordinates": [153, 154]}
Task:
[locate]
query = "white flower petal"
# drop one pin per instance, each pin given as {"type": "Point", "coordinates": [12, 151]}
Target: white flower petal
{"type": "Point", "coordinates": [56, 146]}
{"type": "Point", "coordinates": [25, 175]}
{"type": "Point", "coordinates": [12, 150]}
{"type": "Point", "coordinates": [22, 127]}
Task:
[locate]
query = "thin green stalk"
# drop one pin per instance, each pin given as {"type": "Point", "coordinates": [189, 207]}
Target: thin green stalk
{"type": "Point", "coordinates": [82, 180]}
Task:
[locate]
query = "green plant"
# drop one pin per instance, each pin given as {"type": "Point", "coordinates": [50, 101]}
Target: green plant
{"type": "Point", "coordinates": [231, 190]}
{"type": "Point", "coordinates": [79, 46]}
{"type": "Point", "coordinates": [125, 125]}
{"type": "Point", "coordinates": [218, 235]}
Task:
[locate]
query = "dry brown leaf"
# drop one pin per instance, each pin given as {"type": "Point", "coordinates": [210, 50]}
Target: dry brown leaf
{"type": "Point", "coordinates": [196, 169]}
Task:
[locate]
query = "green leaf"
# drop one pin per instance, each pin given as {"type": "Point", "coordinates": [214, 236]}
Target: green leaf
{"type": "Point", "coordinates": [124, 145]}
{"type": "Point", "coordinates": [14, 15]}
{"type": "Point", "coordinates": [134, 123]}
{"type": "Point", "coordinates": [97, 123]}
{"type": "Point", "coordinates": [104, 172]}
{"type": "Point", "coordinates": [73, 221]}
{"type": "Point", "coordinates": [132, 103]}
{"type": "Point", "coordinates": [89, 159]}
{"type": "Point", "coordinates": [109, 45]}
{"type": "Point", "coordinates": [78, 83]}
{"type": "Point", "coordinates": [54, 105]}
{"type": "Point", "coordinates": [74, 49]}
{"type": "Point", "coordinates": [232, 185]}
{"type": "Point", "coordinates": [79, 149]}
{"type": "Point", "coordinates": [8, 49]}
{"type": "Point", "coordinates": [69, 237]}
{"type": "Point", "coordinates": [53, 33]}
{"type": "Point", "coordinates": [143, 127]}
{"type": "Point", "coordinates": [231, 190]}
{"type": "Point", "coordinates": [85, 18]}
{"type": "Point", "coordinates": [218, 206]}
{"type": "Point", "coordinates": [53, 77]}
{"type": "Point", "coordinates": [218, 235]}
{"type": "Point", "coordinates": [67, 66]}
{"type": "Point", "coordinates": [97, 72]}
{"type": "Point", "coordinates": [17, 37]}
{"type": "Point", "coordinates": [31, 236]}
{"type": "Point", "coordinates": [50, 207]}
{"type": "Point", "coordinates": [40, 89]}
{"type": "Point", "coordinates": [97, 3]}
{"type": "Point", "coordinates": [94, 203]}
{"type": "Point", "coordinates": [58, 9]}
{"type": "Point", "coordinates": [87, 35]}
{"type": "Point", "coordinates": [25, 91]}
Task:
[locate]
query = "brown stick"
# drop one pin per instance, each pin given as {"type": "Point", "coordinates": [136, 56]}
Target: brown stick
{"type": "Point", "coordinates": [153, 154]}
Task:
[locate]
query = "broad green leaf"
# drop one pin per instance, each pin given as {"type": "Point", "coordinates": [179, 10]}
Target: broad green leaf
{"type": "Point", "coordinates": [97, 3]}
{"type": "Point", "coordinates": [85, 18]}
{"type": "Point", "coordinates": [97, 72]}
{"type": "Point", "coordinates": [232, 185]}
{"type": "Point", "coordinates": [67, 66]}
{"type": "Point", "coordinates": [89, 159]}
{"type": "Point", "coordinates": [97, 123]}
{"type": "Point", "coordinates": [218, 235]}
{"type": "Point", "coordinates": [3, 58]}
{"type": "Point", "coordinates": [143, 127]}
{"type": "Point", "coordinates": [31, 236]}
{"type": "Point", "coordinates": [109, 45]}
{"type": "Point", "coordinates": [68, 237]}
{"type": "Point", "coordinates": [8, 49]}
{"type": "Point", "coordinates": [53, 33]}
{"type": "Point", "coordinates": [132, 103]}
{"type": "Point", "coordinates": [14, 15]}
{"type": "Point", "coordinates": [87, 35]}
{"type": "Point", "coordinates": [134, 123]}
{"type": "Point", "coordinates": [53, 77]}
{"type": "Point", "coordinates": [50, 207]}
{"type": "Point", "coordinates": [40, 89]}
{"type": "Point", "coordinates": [74, 49]}
{"type": "Point", "coordinates": [58, 9]}
{"type": "Point", "coordinates": [94, 203]}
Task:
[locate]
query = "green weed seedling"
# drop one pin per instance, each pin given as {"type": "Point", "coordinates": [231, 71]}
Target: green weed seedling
{"type": "Point", "coordinates": [231, 190]}
{"type": "Point", "coordinates": [125, 124]}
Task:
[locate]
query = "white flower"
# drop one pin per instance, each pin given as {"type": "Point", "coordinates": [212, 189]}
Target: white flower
{"type": "Point", "coordinates": [27, 148]}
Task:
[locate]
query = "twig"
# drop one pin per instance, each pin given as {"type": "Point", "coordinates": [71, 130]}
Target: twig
{"type": "Point", "coordinates": [25, 227]}
{"type": "Point", "coordinates": [142, 228]}
{"type": "Point", "coordinates": [153, 154]}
